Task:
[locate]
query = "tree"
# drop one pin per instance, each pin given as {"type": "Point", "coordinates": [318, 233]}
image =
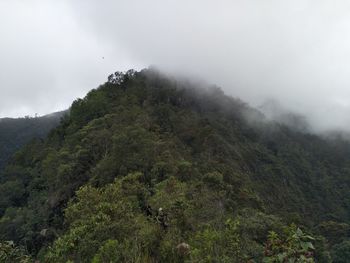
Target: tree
{"type": "Point", "coordinates": [341, 252]}
{"type": "Point", "coordinates": [10, 254]}
{"type": "Point", "coordinates": [295, 247]}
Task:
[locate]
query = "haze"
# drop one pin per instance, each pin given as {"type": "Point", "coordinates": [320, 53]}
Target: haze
{"type": "Point", "coordinates": [295, 52]}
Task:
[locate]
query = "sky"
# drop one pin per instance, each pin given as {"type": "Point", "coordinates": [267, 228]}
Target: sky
{"type": "Point", "coordinates": [296, 52]}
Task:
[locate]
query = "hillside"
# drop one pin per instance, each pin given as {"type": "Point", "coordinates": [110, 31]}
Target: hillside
{"type": "Point", "coordinates": [15, 133]}
{"type": "Point", "coordinates": [147, 168]}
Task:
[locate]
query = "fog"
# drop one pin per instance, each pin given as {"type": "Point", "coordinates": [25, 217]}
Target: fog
{"type": "Point", "coordinates": [294, 52]}
{"type": "Point", "coordinates": [48, 59]}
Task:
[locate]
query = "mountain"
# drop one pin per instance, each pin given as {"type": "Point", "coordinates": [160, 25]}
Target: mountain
{"type": "Point", "coordinates": [149, 168]}
{"type": "Point", "coordinates": [15, 133]}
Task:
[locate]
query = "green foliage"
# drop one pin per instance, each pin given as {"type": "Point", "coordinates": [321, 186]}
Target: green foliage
{"type": "Point", "coordinates": [99, 215]}
{"type": "Point", "coordinates": [212, 245]}
{"type": "Point", "coordinates": [147, 168]}
{"type": "Point", "coordinates": [109, 252]}
{"type": "Point", "coordinates": [296, 246]}
{"type": "Point", "coordinates": [341, 252]}
{"type": "Point", "coordinates": [10, 254]}
{"type": "Point", "coordinates": [334, 232]}
{"type": "Point", "coordinates": [15, 133]}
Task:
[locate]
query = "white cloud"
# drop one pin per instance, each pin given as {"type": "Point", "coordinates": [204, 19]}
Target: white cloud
{"type": "Point", "coordinates": [297, 52]}
{"type": "Point", "coordinates": [48, 59]}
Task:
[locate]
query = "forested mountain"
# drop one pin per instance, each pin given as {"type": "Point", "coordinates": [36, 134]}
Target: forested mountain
{"type": "Point", "coordinates": [14, 133]}
{"type": "Point", "coordinates": [147, 168]}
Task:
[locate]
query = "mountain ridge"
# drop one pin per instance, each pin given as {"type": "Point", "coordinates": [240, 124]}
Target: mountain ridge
{"type": "Point", "coordinates": [146, 162]}
{"type": "Point", "coordinates": [16, 132]}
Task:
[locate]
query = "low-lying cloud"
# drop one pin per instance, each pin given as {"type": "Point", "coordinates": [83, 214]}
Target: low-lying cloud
{"type": "Point", "coordinates": [296, 52]}
{"type": "Point", "coordinates": [47, 58]}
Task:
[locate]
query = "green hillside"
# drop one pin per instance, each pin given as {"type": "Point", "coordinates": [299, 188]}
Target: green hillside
{"type": "Point", "coordinates": [147, 168]}
{"type": "Point", "coordinates": [15, 133]}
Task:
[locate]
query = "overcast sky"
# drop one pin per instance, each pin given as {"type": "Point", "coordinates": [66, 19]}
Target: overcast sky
{"type": "Point", "coordinates": [297, 51]}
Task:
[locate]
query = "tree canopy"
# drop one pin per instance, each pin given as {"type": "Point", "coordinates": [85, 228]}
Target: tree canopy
{"type": "Point", "coordinates": [148, 168]}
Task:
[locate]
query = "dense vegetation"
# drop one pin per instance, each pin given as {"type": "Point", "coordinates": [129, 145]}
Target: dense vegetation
{"type": "Point", "coordinates": [15, 133]}
{"type": "Point", "coordinates": [147, 168]}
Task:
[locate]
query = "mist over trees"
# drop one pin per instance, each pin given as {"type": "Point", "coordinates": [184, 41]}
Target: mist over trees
{"type": "Point", "coordinates": [149, 168]}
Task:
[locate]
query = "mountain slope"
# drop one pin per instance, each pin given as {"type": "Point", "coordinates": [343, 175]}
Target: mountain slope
{"type": "Point", "coordinates": [147, 168]}
{"type": "Point", "coordinates": [15, 133]}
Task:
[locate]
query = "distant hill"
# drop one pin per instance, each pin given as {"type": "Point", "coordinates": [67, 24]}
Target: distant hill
{"type": "Point", "coordinates": [15, 132]}
{"type": "Point", "coordinates": [148, 168]}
